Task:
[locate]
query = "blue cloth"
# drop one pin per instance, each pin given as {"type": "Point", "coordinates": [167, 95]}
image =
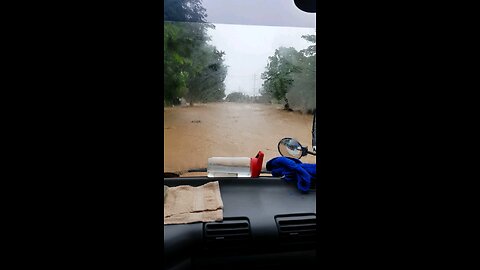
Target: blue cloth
{"type": "Point", "coordinates": [293, 170]}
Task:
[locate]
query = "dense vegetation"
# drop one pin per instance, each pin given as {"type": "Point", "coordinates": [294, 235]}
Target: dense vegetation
{"type": "Point", "coordinates": [242, 97]}
{"type": "Point", "coordinates": [290, 76]}
{"type": "Point", "coordinates": [237, 97]}
{"type": "Point", "coordinates": [193, 69]}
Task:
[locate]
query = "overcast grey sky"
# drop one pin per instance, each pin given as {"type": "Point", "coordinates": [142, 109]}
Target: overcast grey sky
{"type": "Point", "coordinates": [247, 48]}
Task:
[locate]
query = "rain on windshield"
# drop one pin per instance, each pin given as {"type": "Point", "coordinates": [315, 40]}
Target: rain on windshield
{"type": "Point", "coordinates": [233, 90]}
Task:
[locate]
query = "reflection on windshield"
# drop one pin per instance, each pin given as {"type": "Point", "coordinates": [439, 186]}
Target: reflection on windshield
{"type": "Point", "coordinates": [232, 90]}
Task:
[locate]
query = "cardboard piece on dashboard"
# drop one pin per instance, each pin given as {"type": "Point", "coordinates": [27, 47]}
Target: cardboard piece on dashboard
{"type": "Point", "coordinates": [188, 204]}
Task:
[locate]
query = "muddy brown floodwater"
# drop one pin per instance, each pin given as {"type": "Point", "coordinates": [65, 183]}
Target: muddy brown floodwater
{"type": "Point", "coordinates": [193, 134]}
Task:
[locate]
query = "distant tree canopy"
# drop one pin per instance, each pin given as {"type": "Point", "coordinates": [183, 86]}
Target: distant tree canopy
{"type": "Point", "coordinates": [290, 76]}
{"type": "Point", "coordinates": [236, 97]}
{"type": "Point", "coordinates": [193, 69]}
{"type": "Point", "coordinates": [184, 11]}
{"type": "Point", "coordinates": [244, 98]}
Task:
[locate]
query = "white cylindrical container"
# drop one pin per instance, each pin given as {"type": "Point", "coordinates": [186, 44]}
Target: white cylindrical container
{"type": "Point", "coordinates": [229, 167]}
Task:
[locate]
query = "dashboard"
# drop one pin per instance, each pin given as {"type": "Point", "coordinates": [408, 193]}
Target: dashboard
{"type": "Point", "coordinates": [268, 223]}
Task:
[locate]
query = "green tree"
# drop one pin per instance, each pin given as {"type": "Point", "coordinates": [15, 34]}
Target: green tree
{"type": "Point", "coordinates": [184, 11]}
{"type": "Point", "coordinates": [192, 68]}
{"type": "Point", "coordinates": [278, 75]}
{"type": "Point", "coordinates": [302, 93]}
{"type": "Point", "coordinates": [176, 60]}
{"type": "Point", "coordinates": [208, 75]}
{"type": "Point", "coordinates": [290, 76]}
{"type": "Point", "coordinates": [236, 97]}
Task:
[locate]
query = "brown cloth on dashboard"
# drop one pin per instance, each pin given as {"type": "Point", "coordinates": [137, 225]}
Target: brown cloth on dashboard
{"type": "Point", "coordinates": [187, 204]}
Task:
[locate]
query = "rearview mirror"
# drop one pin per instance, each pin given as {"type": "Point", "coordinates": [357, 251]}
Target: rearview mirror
{"type": "Point", "coordinates": [289, 147]}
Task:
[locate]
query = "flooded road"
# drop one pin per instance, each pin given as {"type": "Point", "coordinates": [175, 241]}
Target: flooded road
{"type": "Point", "coordinates": [193, 134]}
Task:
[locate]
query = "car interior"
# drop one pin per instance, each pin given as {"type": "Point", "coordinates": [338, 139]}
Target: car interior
{"type": "Point", "coordinates": [267, 222]}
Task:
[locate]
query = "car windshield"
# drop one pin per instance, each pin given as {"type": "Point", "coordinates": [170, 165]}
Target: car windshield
{"type": "Point", "coordinates": [238, 77]}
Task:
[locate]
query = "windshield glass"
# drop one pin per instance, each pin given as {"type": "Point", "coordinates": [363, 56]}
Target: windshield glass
{"type": "Point", "coordinates": [236, 85]}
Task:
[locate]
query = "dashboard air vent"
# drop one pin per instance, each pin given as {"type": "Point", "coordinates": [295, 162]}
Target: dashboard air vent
{"type": "Point", "coordinates": [297, 227]}
{"type": "Point", "coordinates": [229, 232]}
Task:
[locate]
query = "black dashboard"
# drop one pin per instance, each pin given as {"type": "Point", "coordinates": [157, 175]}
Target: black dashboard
{"type": "Point", "coordinates": [267, 223]}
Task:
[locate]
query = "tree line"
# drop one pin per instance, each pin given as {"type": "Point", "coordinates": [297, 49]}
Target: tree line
{"type": "Point", "coordinates": [193, 69]}
{"type": "Point", "coordinates": [290, 77]}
